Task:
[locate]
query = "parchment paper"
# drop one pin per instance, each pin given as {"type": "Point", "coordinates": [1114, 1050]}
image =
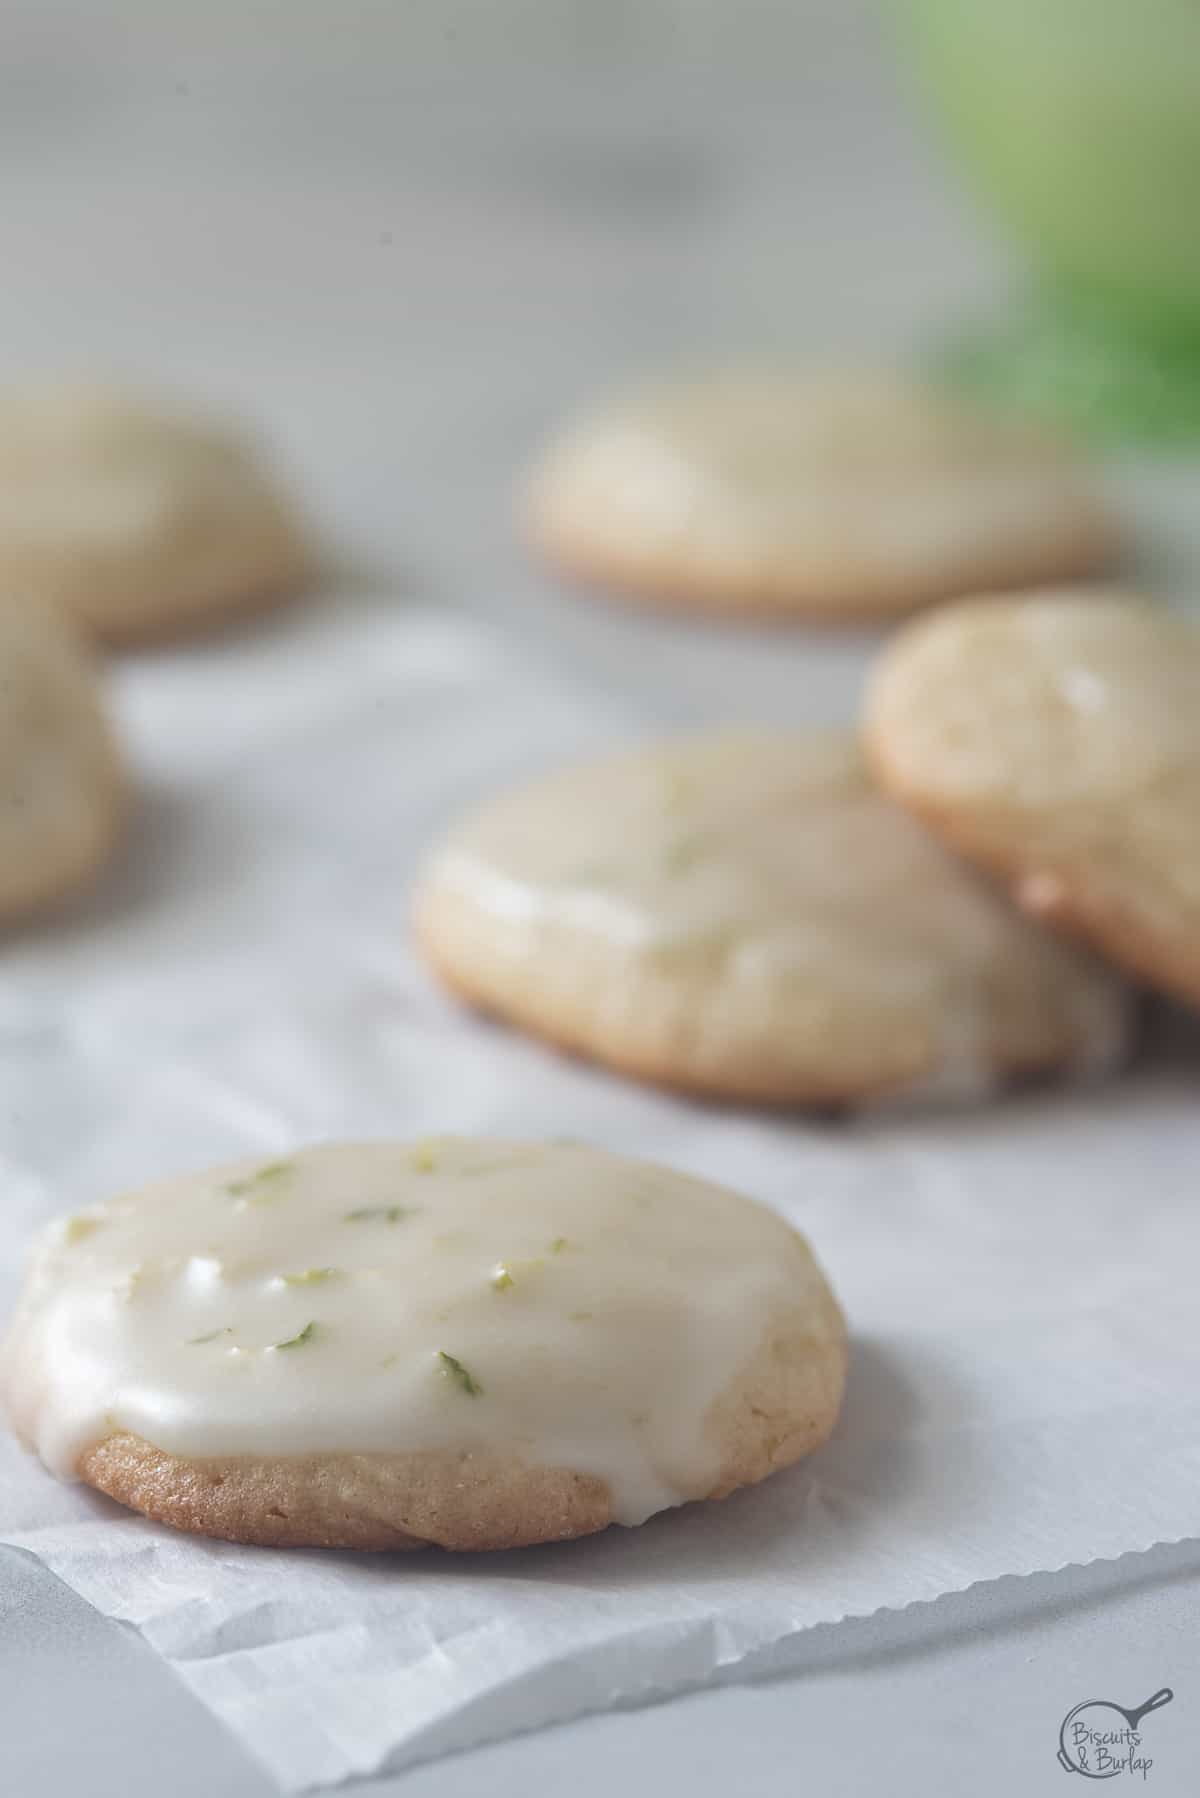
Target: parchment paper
{"type": "Point", "coordinates": [1020, 1279]}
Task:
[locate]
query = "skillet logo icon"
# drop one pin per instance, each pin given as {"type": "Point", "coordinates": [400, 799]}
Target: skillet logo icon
{"type": "Point", "coordinates": [1100, 1739]}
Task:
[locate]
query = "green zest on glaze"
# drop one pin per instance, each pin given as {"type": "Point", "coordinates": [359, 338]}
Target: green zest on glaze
{"type": "Point", "coordinates": [262, 1186]}
{"type": "Point", "coordinates": [424, 1158]}
{"type": "Point", "coordinates": [193, 1341]}
{"type": "Point", "coordinates": [312, 1276]}
{"type": "Point", "coordinates": [77, 1228]}
{"type": "Point", "coordinates": [306, 1335]}
{"type": "Point", "coordinates": [134, 1280]}
{"type": "Point", "coordinates": [390, 1213]}
{"type": "Point", "coordinates": [502, 1279]}
{"type": "Point", "coordinates": [457, 1371]}
{"type": "Point", "coordinates": [558, 1245]}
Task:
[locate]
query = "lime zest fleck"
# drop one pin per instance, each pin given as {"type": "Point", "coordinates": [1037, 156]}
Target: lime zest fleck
{"type": "Point", "coordinates": [390, 1360]}
{"type": "Point", "coordinates": [558, 1245]}
{"type": "Point", "coordinates": [391, 1213]}
{"type": "Point", "coordinates": [312, 1276]}
{"type": "Point", "coordinates": [502, 1279]}
{"type": "Point", "coordinates": [305, 1335]}
{"type": "Point", "coordinates": [455, 1370]}
{"type": "Point", "coordinates": [77, 1228]}
{"type": "Point", "coordinates": [519, 1271]}
{"type": "Point", "coordinates": [133, 1281]}
{"type": "Point", "coordinates": [194, 1341]}
{"type": "Point", "coordinates": [262, 1186]}
{"type": "Point", "coordinates": [580, 1317]}
{"type": "Point", "coordinates": [424, 1157]}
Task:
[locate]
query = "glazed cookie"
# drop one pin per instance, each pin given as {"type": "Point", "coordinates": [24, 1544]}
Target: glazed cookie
{"type": "Point", "coordinates": [1056, 740]}
{"type": "Point", "coordinates": [469, 1344]}
{"type": "Point", "coordinates": [745, 916]}
{"type": "Point", "coordinates": [61, 787]}
{"type": "Point", "coordinates": [820, 494]}
{"type": "Point", "coordinates": [140, 521]}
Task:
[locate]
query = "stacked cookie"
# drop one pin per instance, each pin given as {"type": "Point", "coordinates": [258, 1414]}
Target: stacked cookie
{"type": "Point", "coordinates": [791, 919]}
{"type": "Point", "coordinates": [121, 521]}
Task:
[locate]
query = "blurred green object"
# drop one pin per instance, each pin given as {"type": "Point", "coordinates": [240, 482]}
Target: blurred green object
{"type": "Point", "coordinates": [1079, 123]}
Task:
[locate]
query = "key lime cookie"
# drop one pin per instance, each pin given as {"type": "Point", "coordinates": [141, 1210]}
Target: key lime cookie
{"type": "Point", "coordinates": [474, 1344]}
{"type": "Point", "coordinates": [61, 787]}
{"type": "Point", "coordinates": [811, 494]}
{"type": "Point", "coordinates": [743, 915]}
{"type": "Point", "coordinates": [1056, 741]}
{"type": "Point", "coordinates": [141, 521]}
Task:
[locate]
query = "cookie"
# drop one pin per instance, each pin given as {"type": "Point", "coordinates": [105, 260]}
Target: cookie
{"type": "Point", "coordinates": [744, 916]}
{"type": "Point", "coordinates": [1056, 741]}
{"type": "Point", "coordinates": [61, 787]}
{"type": "Point", "coordinates": [819, 494]}
{"type": "Point", "coordinates": [140, 521]}
{"type": "Point", "coordinates": [475, 1344]}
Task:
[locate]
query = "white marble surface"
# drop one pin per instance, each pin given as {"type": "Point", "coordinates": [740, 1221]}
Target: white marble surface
{"type": "Point", "coordinates": [405, 270]}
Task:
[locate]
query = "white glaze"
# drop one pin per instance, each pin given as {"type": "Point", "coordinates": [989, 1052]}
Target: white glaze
{"type": "Point", "coordinates": [637, 1296]}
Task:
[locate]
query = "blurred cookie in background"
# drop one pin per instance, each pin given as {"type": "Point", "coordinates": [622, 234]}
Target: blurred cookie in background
{"type": "Point", "coordinates": [825, 494]}
{"type": "Point", "coordinates": [743, 915]}
{"type": "Point", "coordinates": [61, 787]}
{"type": "Point", "coordinates": [140, 519]}
{"type": "Point", "coordinates": [1056, 741]}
